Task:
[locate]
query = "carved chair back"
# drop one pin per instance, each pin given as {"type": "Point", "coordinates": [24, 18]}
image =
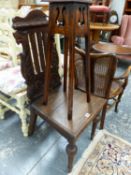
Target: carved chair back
{"type": "Point", "coordinates": [32, 33]}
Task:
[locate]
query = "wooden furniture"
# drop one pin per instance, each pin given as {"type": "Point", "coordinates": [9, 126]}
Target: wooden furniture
{"type": "Point", "coordinates": [96, 28]}
{"type": "Point", "coordinates": [12, 84]}
{"type": "Point", "coordinates": [119, 83]}
{"type": "Point", "coordinates": [112, 48]}
{"type": "Point", "coordinates": [71, 19]}
{"type": "Point", "coordinates": [103, 66]}
{"type": "Point", "coordinates": [99, 11]}
{"type": "Point", "coordinates": [32, 31]}
{"type": "Point", "coordinates": [128, 7]}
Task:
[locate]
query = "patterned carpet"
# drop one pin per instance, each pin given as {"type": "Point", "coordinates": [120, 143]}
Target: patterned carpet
{"type": "Point", "coordinates": [106, 155]}
{"type": "Point", "coordinates": [119, 124]}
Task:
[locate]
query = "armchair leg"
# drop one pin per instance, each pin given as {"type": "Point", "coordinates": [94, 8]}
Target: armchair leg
{"type": "Point", "coordinates": [118, 101]}
{"type": "Point", "coordinates": [94, 125]}
{"type": "Point", "coordinates": [103, 117]}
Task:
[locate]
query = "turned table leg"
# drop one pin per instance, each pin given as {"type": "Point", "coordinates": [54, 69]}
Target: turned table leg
{"type": "Point", "coordinates": [71, 150]}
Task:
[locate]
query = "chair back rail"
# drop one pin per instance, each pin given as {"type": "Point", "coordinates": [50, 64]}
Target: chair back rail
{"type": "Point", "coordinates": [32, 33]}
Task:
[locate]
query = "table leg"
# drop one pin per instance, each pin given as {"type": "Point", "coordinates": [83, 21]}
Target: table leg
{"type": "Point", "coordinates": [71, 150]}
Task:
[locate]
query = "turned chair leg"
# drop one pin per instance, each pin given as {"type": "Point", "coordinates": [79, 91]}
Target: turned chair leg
{"type": "Point", "coordinates": [71, 150]}
{"type": "Point", "coordinates": [32, 122]}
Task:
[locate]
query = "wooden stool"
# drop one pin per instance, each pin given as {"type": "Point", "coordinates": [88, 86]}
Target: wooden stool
{"type": "Point", "coordinates": [71, 19]}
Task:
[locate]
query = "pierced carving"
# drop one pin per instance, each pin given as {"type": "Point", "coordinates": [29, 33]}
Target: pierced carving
{"type": "Point", "coordinates": [61, 17]}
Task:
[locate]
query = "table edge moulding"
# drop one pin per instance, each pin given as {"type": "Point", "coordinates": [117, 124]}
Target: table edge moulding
{"type": "Point", "coordinates": [112, 48]}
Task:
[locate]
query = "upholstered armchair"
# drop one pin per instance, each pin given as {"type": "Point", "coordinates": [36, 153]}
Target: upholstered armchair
{"type": "Point", "coordinates": [99, 11]}
{"type": "Point", "coordinates": [124, 37]}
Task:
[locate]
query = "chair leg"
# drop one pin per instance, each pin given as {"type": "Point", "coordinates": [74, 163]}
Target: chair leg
{"type": "Point", "coordinates": [103, 116]}
{"type": "Point", "coordinates": [2, 111]}
{"type": "Point", "coordinates": [21, 100]}
{"type": "Point", "coordinates": [94, 125]}
{"type": "Point", "coordinates": [118, 101]}
{"type": "Point", "coordinates": [32, 122]}
{"type": "Point", "coordinates": [24, 125]}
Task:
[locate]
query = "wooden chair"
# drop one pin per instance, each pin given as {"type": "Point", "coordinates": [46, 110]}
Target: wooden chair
{"type": "Point", "coordinates": [32, 32]}
{"type": "Point", "coordinates": [99, 11]}
{"type": "Point", "coordinates": [116, 88]}
{"type": "Point", "coordinates": [12, 84]}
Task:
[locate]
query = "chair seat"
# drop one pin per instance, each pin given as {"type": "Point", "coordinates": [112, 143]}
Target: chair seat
{"type": "Point", "coordinates": [116, 88]}
{"type": "Point", "coordinates": [99, 8]}
{"type": "Point", "coordinates": [5, 63]}
{"type": "Point", "coordinates": [12, 81]}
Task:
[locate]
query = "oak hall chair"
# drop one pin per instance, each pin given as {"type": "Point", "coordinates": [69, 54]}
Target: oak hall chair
{"type": "Point", "coordinates": [32, 32]}
{"type": "Point", "coordinates": [101, 72]}
{"type": "Point", "coordinates": [99, 11]}
{"type": "Point", "coordinates": [124, 36]}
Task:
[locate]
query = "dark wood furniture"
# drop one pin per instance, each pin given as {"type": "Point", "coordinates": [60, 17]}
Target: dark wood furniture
{"type": "Point", "coordinates": [31, 31]}
{"type": "Point", "coordinates": [99, 11]}
{"type": "Point", "coordinates": [96, 28]}
{"type": "Point", "coordinates": [112, 48]}
{"type": "Point", "coordinates": [128, 7]}
{"type": "Point", "coordinates": [71, 19]}
{"type": "Point", "coordinates": [120, 82]}
{"type": "Point", "coordinates": [103, 67]}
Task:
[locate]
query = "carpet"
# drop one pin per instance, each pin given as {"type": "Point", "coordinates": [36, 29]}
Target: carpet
{"type": "Point", "coordinates": [106, 155]}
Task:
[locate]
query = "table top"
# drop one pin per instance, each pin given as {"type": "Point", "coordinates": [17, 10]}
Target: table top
{"type": "Point", "coordinates": [83, 113]}
{"type": "Point", "coordinates": [112, 48]}
{"type": "Point", "coordinates": [103, 26]}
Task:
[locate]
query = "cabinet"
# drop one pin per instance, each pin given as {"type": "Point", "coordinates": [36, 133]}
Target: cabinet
{"type": "Point", "coordinates": [128, 7]}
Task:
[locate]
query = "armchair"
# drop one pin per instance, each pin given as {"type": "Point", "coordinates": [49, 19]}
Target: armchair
{"type": "Point", "coordinates": [115, 91]}
{"type": "Point", "coordinates": [124, 37]}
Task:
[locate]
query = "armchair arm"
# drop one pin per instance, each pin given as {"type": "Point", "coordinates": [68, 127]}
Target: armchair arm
{"type": "Point", "coordinates": [80, 51]}
{"type": "Point", "coordinates": [124, 75]}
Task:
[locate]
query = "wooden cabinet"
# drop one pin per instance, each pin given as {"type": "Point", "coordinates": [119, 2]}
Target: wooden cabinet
{"type": "Point", "coordinates": [128, 7]}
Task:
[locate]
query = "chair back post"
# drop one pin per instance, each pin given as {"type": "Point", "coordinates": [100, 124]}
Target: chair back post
{"type": "Point", "coordinates": [32, 33]}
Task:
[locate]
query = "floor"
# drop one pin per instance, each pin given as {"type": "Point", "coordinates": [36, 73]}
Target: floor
{"type": "Point", "coordinates": [44, 152]}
